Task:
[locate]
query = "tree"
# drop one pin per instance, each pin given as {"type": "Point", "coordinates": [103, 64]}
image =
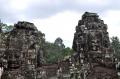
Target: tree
{"type": "Point", "coordinates": [53, 52]}
{"type": "Point", "coordinates": [59, 42]}
{"type": "Point", "coordinates": [5, 27]}
{"type": "Point", "coordinates": [115, 43]}
{"type": "Point", "coordinates": [56, 51]}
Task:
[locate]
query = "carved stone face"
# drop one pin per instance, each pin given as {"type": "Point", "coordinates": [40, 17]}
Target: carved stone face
{"type": "Point", "coordinates": [95, 40]}
{"type": "Point", "coordinates": [13, 59]}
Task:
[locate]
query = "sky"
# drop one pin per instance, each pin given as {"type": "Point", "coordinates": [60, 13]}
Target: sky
{"type": "Point", "coordinates": [58, 18]}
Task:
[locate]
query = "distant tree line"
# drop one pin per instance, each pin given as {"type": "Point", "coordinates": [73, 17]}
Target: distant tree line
{"type": "Point", "coordinates": [56, 51]}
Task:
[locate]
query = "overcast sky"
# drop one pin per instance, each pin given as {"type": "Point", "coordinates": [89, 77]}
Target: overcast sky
{"type": "Point", "coordinates": [58, 18]}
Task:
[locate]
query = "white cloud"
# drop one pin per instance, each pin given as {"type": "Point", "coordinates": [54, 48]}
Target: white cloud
{"type": "Point", "coordinates": [19, 4]}
{"type": "Point", "coordinates": [63, 25]}
{"type": "Point", "coordinates": [111, 18]}
{"type": "Point", "coordinates": [60, 25]}
{"type": "Point", "coordinates": [56, 20]}
{"type": "Point", "coordinates": [94, 2]}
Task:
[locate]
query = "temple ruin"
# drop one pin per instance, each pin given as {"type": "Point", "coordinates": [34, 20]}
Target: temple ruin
{"type": "Point", "coordinates": [22, 53]}
{"type": "Point", "coordinates": [92, 45]}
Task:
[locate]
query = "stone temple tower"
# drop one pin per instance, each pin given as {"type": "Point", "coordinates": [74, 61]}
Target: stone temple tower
{"type": "Point", "coordinates": [92, 44]}
{"type": "Point", "coordinates": [21, 51]}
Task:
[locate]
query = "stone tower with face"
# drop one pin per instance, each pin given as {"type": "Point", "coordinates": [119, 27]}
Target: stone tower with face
{"type": "Point", "coordinates": [91, 42]}
{"type": "Point", "coordinates": [23, 49]}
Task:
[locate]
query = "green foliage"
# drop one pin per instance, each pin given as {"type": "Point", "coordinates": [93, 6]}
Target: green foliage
{"type": "Point", "coordinates": [5, 27]}
{"type": "Point", "coordinates": [55, 53]}
{"type": "Point", "coordinates": [67, 51]}
{"type": "Point", "coordinates": [115, 43]}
